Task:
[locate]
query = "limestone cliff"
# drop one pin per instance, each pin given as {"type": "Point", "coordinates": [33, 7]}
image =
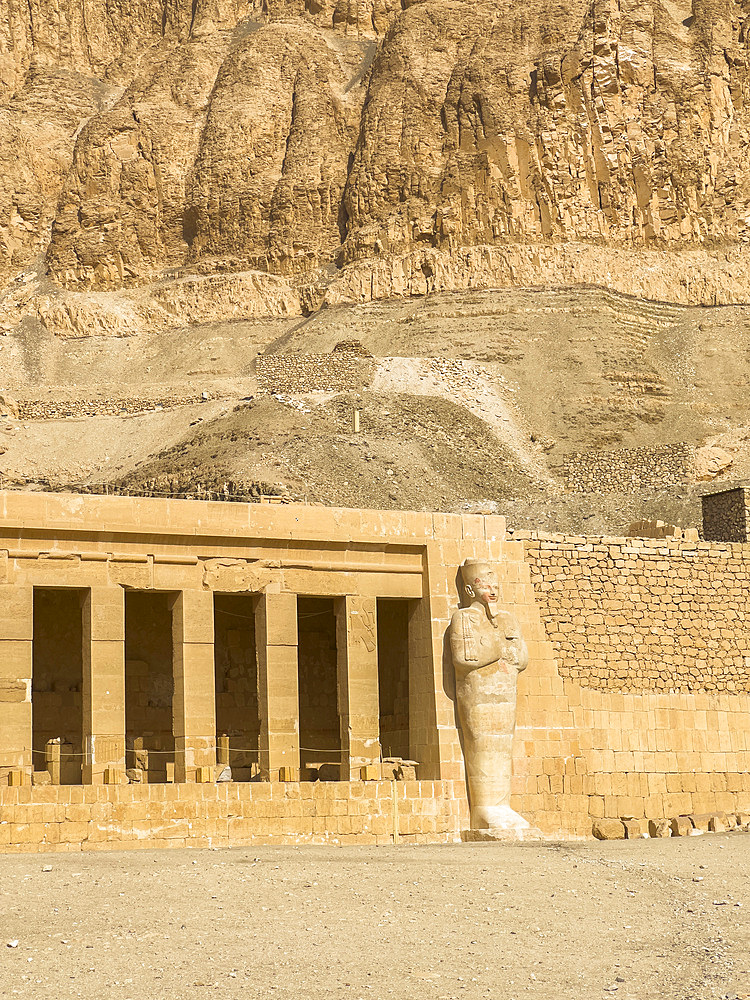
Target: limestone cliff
{"type": "Point", "coordinates": [355, 149]}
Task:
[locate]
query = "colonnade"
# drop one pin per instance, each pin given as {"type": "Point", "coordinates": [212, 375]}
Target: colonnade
{"type": "Point", "coordinates": [103, 683]}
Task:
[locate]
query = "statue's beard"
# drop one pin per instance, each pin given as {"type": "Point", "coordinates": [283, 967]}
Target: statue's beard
{"type": "Point", "coordinates": [491, 610]}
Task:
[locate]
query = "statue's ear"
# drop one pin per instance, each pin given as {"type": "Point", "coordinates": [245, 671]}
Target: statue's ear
{"type": "Point", "coordinates": [469, 590]}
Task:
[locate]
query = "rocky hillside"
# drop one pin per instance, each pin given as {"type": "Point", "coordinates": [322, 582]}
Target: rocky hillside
{"type": "Point", "coordinates": [310, 151]}
{"type": "Point", "coordinates": [533, 217]}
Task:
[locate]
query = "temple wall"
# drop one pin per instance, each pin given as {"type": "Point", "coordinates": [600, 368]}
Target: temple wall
{"type": "Point", "coordinates": [98, 817]}
{"type": "Point", "coordinates": [171, 663]}
{"type": "Point", "coordinates": [637, 698]}
{"type": "Point", "coordinates": [282, 626]}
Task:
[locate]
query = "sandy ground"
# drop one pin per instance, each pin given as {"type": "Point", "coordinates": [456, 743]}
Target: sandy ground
{"type": "Point", "coordinates": [631, 920]}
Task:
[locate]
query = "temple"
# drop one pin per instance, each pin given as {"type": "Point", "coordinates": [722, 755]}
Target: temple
{"type": "Point", "coordinates": [185, 672]}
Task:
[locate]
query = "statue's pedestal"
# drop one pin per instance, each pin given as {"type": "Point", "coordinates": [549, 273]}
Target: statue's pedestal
{"type": "Point", "coordinates": [508, 835]}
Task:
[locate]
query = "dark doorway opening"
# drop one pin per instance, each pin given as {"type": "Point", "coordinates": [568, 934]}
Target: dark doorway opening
{"type": "Point", "coordinates": [393, 676]}
{"type": "Point", "coordinates": [320, 738]}
{"type": "Point", "coordinates": [236, 673]}
{"type": "Point", "coordinates": [149, 684]}
{"type": "Point", "coordinates": [57, 678]}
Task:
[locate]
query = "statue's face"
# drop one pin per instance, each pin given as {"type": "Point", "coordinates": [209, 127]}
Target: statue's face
{"type": "Point", "coordinates": [484, 588]}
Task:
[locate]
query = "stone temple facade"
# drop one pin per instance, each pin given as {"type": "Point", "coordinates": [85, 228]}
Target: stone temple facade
{"type": "Point", "coordinates": [177, 672]}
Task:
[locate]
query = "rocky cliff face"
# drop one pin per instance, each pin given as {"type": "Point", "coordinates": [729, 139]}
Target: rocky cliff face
{"type": "Point", "coordinates": [355, 149]}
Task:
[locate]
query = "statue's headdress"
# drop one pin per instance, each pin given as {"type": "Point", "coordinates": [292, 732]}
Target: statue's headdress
{"type": "Point", "coordinates": [470, 569]}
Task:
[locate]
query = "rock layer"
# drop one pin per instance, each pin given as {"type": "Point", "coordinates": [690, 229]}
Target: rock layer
{"type": "Point", "coordinates": [365, 148]}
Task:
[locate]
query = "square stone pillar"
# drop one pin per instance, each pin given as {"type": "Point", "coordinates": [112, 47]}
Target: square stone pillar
{"type": "Point", "coordinates": [16, 638]}
{"type": "Point", "coordinates": [103, 687]}
{"type": "Point", "coordinates": [278, 683]}
{"type": "Point", "coordinates": [194, 702]}
{"type": "Point", "coordinates": [359, 704]}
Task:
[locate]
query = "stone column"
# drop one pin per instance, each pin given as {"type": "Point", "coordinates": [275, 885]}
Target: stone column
{"type": "Point", "coordinates": [359, 706]}
{"type": "Point", "coordinates": [194, 703]}
{"type": "Point", "coordinates": [103, 687]}
{"type": "Point", "coordinates": [16, 636]}
{"type": "Point", "coordinates": [278, 684]}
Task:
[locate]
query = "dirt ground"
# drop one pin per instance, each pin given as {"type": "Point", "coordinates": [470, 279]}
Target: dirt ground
{"type": "Point", "coordinates": [629, 919]}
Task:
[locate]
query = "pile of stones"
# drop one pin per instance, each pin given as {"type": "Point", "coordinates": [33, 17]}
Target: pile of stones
{"type": "Point", "coordinates": [629, 828]}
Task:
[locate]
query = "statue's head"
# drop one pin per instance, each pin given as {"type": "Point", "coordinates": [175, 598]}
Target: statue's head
{"type": "Point", "coordinates": [480, 584]}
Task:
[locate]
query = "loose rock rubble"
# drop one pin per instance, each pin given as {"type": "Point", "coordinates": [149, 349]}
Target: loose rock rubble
{"type": "Point", "coordinates": [629, 828]}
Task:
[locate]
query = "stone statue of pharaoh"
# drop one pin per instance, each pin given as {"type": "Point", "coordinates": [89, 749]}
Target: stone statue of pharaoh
{"type": "Point", "coordinates": [488, 654]}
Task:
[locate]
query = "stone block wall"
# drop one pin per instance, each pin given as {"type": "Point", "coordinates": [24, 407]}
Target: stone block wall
{"type": "Point", "coordinates": [725, 516]}
{"type": "Point", "coordinates": [46, 409]}
{"type": "Point", "coordinates": [624, 469]}
{"type": "Point", "coordinates": [104, 817]}
{"type": "Point", "coordinates": [636, 615]}
{"type": "Point", "coordinates": [636, 701]}
{"type": "Point", "coordinates": [338, 372]}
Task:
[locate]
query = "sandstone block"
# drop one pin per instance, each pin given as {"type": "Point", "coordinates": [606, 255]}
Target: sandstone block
{"type": "Point", "coordinates": [718, 823]}
{"type": "Point", "coordinates": [658, 828]}
{"type": "Point", "coordinates": [681, 826]}
{"type": "Point", "coordinates": [634, 829]}
{"type": "Point", "coordinates": [608, 829]}
{"type": "Point", "coordinates": [115, 776]}
{"type": "Point", "coordinates": [700, 821]}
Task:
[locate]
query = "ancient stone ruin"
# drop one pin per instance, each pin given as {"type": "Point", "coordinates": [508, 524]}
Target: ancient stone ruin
{"type": "Point", "coordinates": [208, 673]}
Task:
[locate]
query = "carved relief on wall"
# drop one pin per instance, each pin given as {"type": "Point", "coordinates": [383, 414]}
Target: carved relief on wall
{"type": "Point", "coordinates": [362, 622]}
{"type": "Point", "coordinates": [239, 575]}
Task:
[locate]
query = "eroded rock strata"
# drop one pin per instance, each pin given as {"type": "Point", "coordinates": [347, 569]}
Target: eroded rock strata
{"type": "Point", "coordinates": [357, 149]}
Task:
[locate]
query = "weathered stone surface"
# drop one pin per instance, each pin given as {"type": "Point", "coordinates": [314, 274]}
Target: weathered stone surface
{"type": "Point", "coordinates": [376, 147]}
{"type": "Point", "coordinates": [701, 821]}
{"type": "Point", "coordinates": [710, 462]}
{"type": "Point", "coordinates": [718, 823]}
{"type": "Point", "coordinates": [681, 826]}
{"type": "Point", "coordinates": [635, 829]}
{"type": "Point", "coordinates": [8, 406]}
{"type": "Point", "coordinates": [13, 691]}
{"type": "Point", "coordinates": [658, 828]}
{"type": "Point", "coordinates": [608, 829]}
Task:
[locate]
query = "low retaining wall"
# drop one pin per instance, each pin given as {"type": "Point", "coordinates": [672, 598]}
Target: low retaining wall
{"type": "Point", "coordinates": [99, 817]}
{"type": "Point", "coordinates": [337, 372]}
{"type": "Point", "coordinates": [39, 409]}
{"type": "Point", "coordinates": [625, 469]}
